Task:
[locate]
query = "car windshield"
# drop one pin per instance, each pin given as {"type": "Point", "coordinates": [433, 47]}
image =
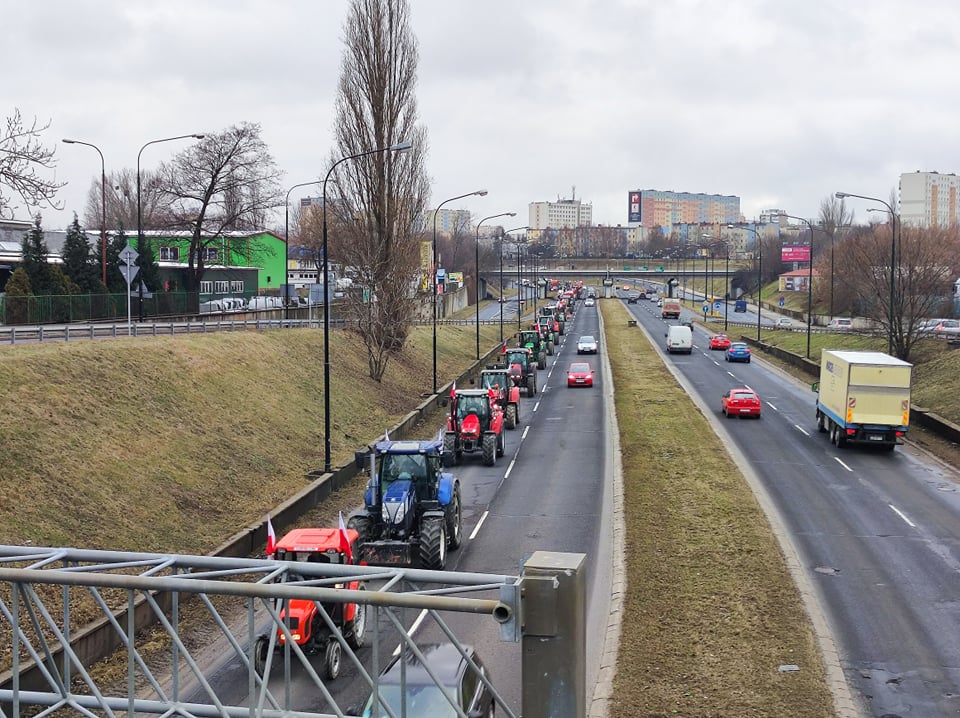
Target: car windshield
{"type": "Point", "coordinates": [420, 701]}
{"type": "Point", "coordinates": [587, 340]}
{"type": "Point", "coordinates": [579, 367]}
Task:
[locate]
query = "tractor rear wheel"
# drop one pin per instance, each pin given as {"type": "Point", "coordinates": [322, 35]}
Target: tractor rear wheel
{"type": "Point", "coordinates": [510, 419]}
{"type": "Point", "coordinates": [355, 630]}
{"type": "Point", "coordinates": [331, 659]}
{"type": "Point", "coordinates": [433, 544]}
{"type": "Point", "coordinates": [360, 524]}
{"type": "Point", "coordinates": [489, 449]}
{"type": "Point", "coordinates": [542, 360]}
{"type": "Point", "coordinates": [449, 449]}
{"type": "Point", "coordinates": [501, 444]}
{"type": "Point", "coordinates": [550, 347]}
{"type": "Point", "coordinates": [531, 385]}
{"type": "Point", "coordinates": [454, 517]}
{"type": "Point", "coordinates": [562, 326]}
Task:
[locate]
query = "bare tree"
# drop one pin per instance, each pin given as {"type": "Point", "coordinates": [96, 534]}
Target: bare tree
{"type": "Point", "coordinates": [382, 195]}
{"type": "Point", "coordinates": [228, 181]}
{"type": "Point", "coordinates": [22, 155]}
{"type": "Point", "coordinates": [121, 199]}
{"type": "Point", "coordinates": [928, 260]}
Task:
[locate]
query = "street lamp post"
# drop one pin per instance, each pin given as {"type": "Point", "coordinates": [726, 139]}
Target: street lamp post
{"type": "Point", "coordinates": [477, 292]}
{"type": "Point", "coordinates": [286, 245]}
{"type": "Point", "coordinates": [103, 208]}
{"type": "Point", "coordinates": [398, 147]}
{"type": "Point", "coordinates": [195, 136]}
{"type": "Point", "coordinates": [893, 257]}
{"type": "Point", "coordinates": [479, 193]}
{"type": "Point", "coordinates": [503, 236]}
{"type": "Point", "coordinates": [809, 279]}
{"type": "Point", "coordinates": [726, 293]}
{"type": "Point", "coordinates": [759, 246]}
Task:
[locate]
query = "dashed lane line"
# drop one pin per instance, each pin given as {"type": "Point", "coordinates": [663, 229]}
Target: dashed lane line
{"type": "Point", "coordinates": [476, 529]}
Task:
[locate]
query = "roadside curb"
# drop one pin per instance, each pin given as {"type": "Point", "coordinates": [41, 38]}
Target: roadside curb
{"type": "Point", "coordinates": [603, 689]}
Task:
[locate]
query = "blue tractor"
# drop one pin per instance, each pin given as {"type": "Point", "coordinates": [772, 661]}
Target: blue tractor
{"type": "Point", "coordinates": [412, 509]}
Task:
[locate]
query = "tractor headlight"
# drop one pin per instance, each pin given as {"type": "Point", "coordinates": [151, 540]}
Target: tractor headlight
{"type": "Point", "coordinates": [393, 512]}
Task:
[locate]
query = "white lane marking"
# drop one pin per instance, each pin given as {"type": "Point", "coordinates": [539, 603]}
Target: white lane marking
{"type": "Point", "coordinates": [900, 513]}
{"type": "Point", "coordinates": [772, 406]}
{"type": "Point", "coordinates": [476, 529]}
{"type": "Point", "coordinates": [536, 406]}
{"type": "Point", "coordinates": [550, 373]}
{"type": "Point", "coordinates": [840, 461]}
{"type": "Point", "coordinates": [510, 468]}
{"type": "Point", "coordinates": [413, 629]}
{"type": "Point", "coordinates": [524, 434]}
{"type": "Point", "coordinates": [801, 429]}
{"type": "Point", "coordinates": [730, 373]}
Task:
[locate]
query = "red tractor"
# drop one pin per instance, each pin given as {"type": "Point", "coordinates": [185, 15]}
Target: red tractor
{"type": "Point", "coordinates": [497, 378]}
{"type": "Point", "coordinates": [303, 618]}
{"type": "Point", "coordinates": [475, 425]}
{"type": "Point", "coordinates": [522, 368]}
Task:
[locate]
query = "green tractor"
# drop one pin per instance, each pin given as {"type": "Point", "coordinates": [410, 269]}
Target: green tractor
{"type": "Point", "coordinates": [547, 326]}
{"type": "Point", "coordinates": [532, 339]}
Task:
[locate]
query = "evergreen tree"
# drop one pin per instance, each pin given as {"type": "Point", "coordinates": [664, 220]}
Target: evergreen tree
{"type": "Point", "coordinates": [18, 297]}
{"type": "Point", "coordinates": [116, 284]}
{"type": "Point", "coordinates": [149, 269]}
{"type": "Point", "coordinates": [78, 261]}
{"type": "Point", "coordinates": [35, 252]}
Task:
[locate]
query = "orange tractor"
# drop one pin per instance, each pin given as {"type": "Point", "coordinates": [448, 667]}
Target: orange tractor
{"type": "Point", "coordinates": [303, 618]}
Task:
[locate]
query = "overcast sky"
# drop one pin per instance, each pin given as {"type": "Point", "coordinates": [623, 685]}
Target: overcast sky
{"type": "Point", "coordinates": [781, 102]}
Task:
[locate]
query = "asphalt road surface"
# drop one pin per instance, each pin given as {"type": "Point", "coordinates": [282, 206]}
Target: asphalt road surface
{"type": "Point", "coordinates": [878, 533]}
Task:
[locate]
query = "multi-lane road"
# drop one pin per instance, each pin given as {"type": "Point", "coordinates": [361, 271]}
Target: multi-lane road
{"type": "Point", "coordinates": [548, 492]}
{"type": "Point", "coordinates": [878, 534]}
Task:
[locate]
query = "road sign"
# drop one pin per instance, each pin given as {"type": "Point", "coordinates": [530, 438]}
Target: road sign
{"type": "Point", "coordinates": [660, 269]}
{"type": "Point", "coordinates": [717, 306]}
{"type": "Point", "coordinates": [128, 255]}
{"type": "Point", "coordinates": [129, 272]}
{"type": "Point", "coordinates": [645, 267]}
{"type": "Point", "coordinates": [782, 301]}
{"type": "Point", "coordinates": [706, 308]}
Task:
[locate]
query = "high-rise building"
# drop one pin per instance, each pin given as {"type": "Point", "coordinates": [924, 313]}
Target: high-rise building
{"type": "Point", "coordinates": [929, 199]}
{"type": "Point", "coordinates": [560, 214]}
{"type": "Point", "coordinates": [449, 221]}
{"type": "Point", "coordinates": [651, 208]}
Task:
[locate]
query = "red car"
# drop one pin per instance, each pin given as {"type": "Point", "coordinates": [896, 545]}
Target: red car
{"type": "Point", "coordinates": [719, 341]}
{"type": "Point", "coordinates": [740, 402]}
{"type": "Point", "coordinates": [579, 374]}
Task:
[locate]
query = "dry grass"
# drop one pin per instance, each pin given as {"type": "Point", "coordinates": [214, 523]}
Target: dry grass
{"type": "Point", "coordinates": [711, 611]}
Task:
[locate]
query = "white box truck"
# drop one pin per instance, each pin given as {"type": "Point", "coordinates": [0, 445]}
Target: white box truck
{"type": "Point", "coordinates": [671, 308]}
{"type": "Point", "coordinates": [863, 398]}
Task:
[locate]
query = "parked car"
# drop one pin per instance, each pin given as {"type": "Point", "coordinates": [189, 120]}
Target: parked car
{"type": "Point", "coordinates": [579, 374]}
{"type": "Point", "coordinates": [410, 690]}
{"type": "Point", "coordinates": [947, 328]}
{"type": "Point", "coordinates": [737, 351]}
{"type": "Point", "coordinates": [740, 402]}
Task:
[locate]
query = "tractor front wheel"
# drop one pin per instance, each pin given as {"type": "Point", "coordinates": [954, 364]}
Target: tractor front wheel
{"type": "Point", "coordinates": [454, 516]}
{"type": "Point", "coordinates": [356, 629]}
{"type": "Point", "coordinates": [331, 659]}
{"type": "Point", "coordinates": [360, 524]}
{"type": "Point", "coordinates": [489, 449]}
{"type": "Point", "coordinates": [260, 648]}
{"type": "Point", "coordinates": [433, 544]}
{"type": "Point", "coordinates": [449, 449]}
{"type": "Point", "coordinates": [511, 416]}
{"type": "Point", "coordinates": [550, 347]}
{"type": "Point", "coordinates": [542, 360]}
{"type": "Point", "coordinates": [531, 385]}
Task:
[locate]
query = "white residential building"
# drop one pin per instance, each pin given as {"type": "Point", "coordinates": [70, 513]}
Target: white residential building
{"type": "Point", "coordinates": [929, 199]}
{"type": "Point", "coordinates": [560, 214]}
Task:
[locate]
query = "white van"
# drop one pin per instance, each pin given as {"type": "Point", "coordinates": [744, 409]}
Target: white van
{"type": "Point", "coordinates": [679, 339]}
{"type": "Point", "coordinates": [841, 323]}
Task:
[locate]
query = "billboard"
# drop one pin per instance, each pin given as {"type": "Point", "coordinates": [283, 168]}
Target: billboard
{"type": "Point", "coordinates": [795, 253]}
{"type": "Point", "coordinates": [633, 207]}
{"type": "Point", "coordinates": [426, 256]}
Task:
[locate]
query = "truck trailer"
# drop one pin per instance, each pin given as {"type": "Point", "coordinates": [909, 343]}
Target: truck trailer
{"type": "Point", "coordinates": [671, 308]}
{"type": "Point", "coordinates": [863, 398]}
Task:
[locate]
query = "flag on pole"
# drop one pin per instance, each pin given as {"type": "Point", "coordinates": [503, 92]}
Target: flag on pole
{"type": "Point", "coordinates": [271, 539]}
{"type": "Point", "coordinates": [345, 541]}
{"type": "Point", "coordinates": [386, 435]}
{"type": "Point", "coordinates": [453, 390]}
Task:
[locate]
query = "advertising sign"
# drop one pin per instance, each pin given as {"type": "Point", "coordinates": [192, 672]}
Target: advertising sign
{"type": "Point", "coordinates": [455, 277]}
{"type": "Point", "coordinates": [426, 255]}
{"type": "Point", "coordinates": [795, 253]}
{"type": "Point", "coordinates": [633, 207]}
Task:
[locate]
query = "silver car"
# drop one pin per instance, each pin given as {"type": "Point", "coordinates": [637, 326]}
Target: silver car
{"type": "Point", "coordinates": [587, 345]}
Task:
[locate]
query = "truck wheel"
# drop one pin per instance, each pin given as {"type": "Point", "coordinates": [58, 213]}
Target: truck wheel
{"type": "Point", "coordinates": [433, 544]}
{"type": "Point", "coordinates": [449, 449]}
{"type": "Point", "coordinates": [501, 444]}
{"type": "Point", "coordinates": [454, 516]}
{"type": "Point", "coordinates": [356, 630]}
{"type": "Point", "coordinates": [511, 416]}
{"type": "Point", "coordinates": [260, 648]}
{"type": "Point", "coordinates": [489, 449]}
{"type": "Point", "coordinates": [331, 659]}
{"type": "Point", "coordinates": [820, 427]}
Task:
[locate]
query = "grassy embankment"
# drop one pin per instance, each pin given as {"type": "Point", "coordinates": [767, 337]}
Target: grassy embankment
{"type": "Point", "coordinates": [711, 611]}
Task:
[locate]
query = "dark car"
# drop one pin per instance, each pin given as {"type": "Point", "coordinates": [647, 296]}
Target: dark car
{"type": "Point", "coordinates": [632, 298]}
{"type": "Point", "coordinates": [458, 682]}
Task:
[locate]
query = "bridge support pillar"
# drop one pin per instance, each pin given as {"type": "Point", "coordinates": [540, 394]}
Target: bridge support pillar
{"type": "Point", "coordinates": [553, 615]}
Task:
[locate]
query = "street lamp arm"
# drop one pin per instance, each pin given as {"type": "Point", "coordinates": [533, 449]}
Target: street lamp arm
{"type": "Point", "coordinates": [477, 269]}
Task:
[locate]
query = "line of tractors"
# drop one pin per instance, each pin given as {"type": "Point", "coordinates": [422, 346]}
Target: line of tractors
{"type": "Point", "coordinates": [412, 512]}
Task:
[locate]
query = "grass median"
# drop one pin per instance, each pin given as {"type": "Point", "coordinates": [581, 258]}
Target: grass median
{"type": "Point", "coordinates": [711, 611]}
